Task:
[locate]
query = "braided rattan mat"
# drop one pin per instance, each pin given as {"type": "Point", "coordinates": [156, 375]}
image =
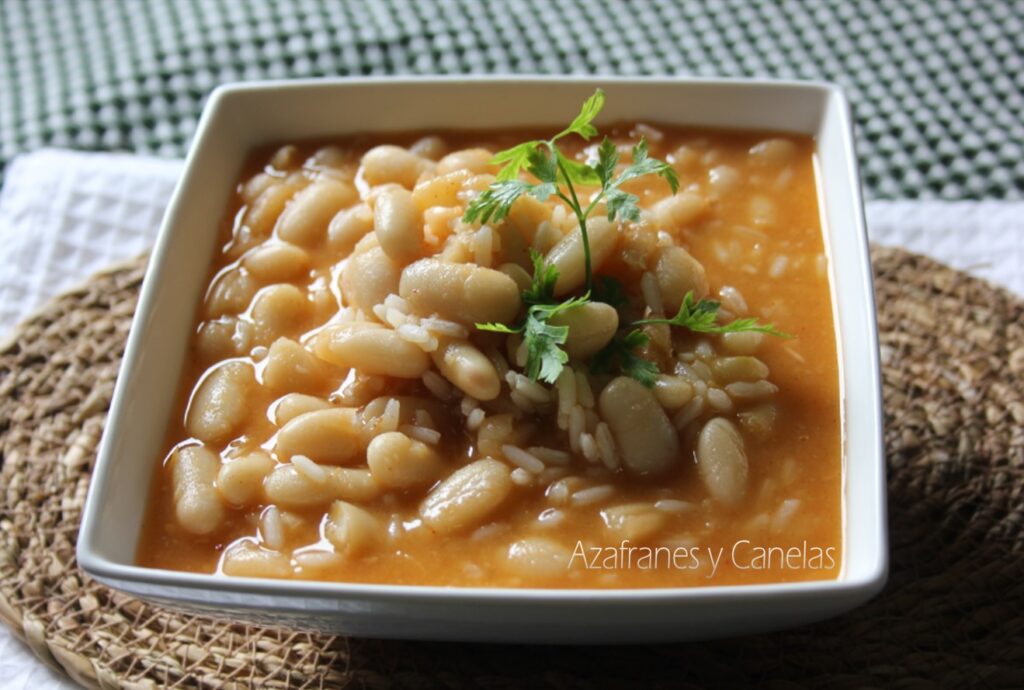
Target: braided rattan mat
{"type": "Point", "coordinates": [952, 614]}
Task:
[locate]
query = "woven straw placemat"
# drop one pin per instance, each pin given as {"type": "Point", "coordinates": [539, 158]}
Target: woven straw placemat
{"type": "Point", "coordinates": [952, 614]}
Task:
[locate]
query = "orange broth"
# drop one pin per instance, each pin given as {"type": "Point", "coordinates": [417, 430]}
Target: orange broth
{"type": "Point", "coordinates": [774, 256]}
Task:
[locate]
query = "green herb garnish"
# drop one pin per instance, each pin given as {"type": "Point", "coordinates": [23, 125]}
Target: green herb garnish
{"type": "Point", "coordinates": [542, 290]}
{"type": "Point", "coordinates": [552, 173]}
{"type": "Point", "coordinates": [544, 356]}
{"type": "Point", "coordinates": [700, 317]}
{"type": "Point", "coordinates": [558, 175]}
{"type": "Point", "coordinates": [620, 351]}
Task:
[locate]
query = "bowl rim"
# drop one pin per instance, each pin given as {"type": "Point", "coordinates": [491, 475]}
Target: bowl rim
{"type": "Point", "coordinates": [186, 587]}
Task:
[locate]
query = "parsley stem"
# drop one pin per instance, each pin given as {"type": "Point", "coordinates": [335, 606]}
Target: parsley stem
{"type": "Point", "coordinates": [582, 218]}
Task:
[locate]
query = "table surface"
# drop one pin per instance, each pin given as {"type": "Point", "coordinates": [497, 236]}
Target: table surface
{"type": "Point", "coordinates": [937, 85]}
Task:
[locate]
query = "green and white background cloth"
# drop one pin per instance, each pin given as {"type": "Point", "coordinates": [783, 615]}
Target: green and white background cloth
{"type": "Point", "coordinates": [937, 85]}
{"type": "Point", "coordinates": [937, 88]}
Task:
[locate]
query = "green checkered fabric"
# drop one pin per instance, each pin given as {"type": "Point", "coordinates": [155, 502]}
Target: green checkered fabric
{"type": "Point", "coordinates": [938, 85]}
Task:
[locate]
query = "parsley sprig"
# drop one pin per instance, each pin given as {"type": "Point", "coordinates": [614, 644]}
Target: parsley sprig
{"type": "Point", "coordinates": [559, 175]}
{"type": "Point", "coordinates": [545, 357]}
{"type": "Point", "coordinates": [701, 317]}
{"type": "Point", "coordinates": [551, 173]}
{"type": "Point", "coordinates": [621, 351]}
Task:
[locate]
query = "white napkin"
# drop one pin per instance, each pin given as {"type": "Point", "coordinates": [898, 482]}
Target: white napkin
{"type": "Point", "coordinates": [64, 215]}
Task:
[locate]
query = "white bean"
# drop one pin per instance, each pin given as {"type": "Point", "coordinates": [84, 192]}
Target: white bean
{"type": "Point", "coordinates": [292, 405]}
{"type": "Point", "coordinates": [759, 419]}
{"type": "Point", "coordinates": [266, 209]}
{"type": "Point", "coordinates": [526, 216]}
{"type": "Point", "coordinates": [399, 225]}
{"type": "Point", "coordinates": [220, 404]}
{"type": "Point", "coordinates": [247, 559]}
{"type": "Point", "coordinates": [678, 273]}
{"type": "Point", "coordinates": [442, 190]}
{"type": "Point", "coordinates": [327, 436]}
{"type": "Point", "coordinates": [474, 160]}
{"type": "Point", "coordinates": [678, 211]}
{"type": "Point", "coordinates": [399, 462]}
{"type": "Point", "coordinates": [289, 366]}
{"type": "Point", "coordinates": [368, 278]}
{"type": "Point", "coordinates": [643, 433]}
{"type": "Point", "coordinates": [774, 152]}
{"type": "Point", "coordinates": [742, 342]}
{"type": "Point", "coordinates": [467, 497]}
{"type": "Point", "coordinates": [352, 530]}
{"type": "Point", "coordinates": [672, 391]}
{"type": "Point", "coordinates": [384, 164]}
{"type": "Point", "coordinates": [591, 327]}
{"type": "Point", "coordinates": [634, 522]}
{"type": "Point", "coordinates": [276, 263]}
{"type": "Point", "coordinates": [536, 557]}
{"type": "Point", "coordinates": [223, 338]}
{"type": "Point", "coordinates": [304, 221]}
{"type": "Point", "coordinates": [371, 349]}
{"type": "Point", "coordinates": [196, 503]}
{"type": "Point", "coordinates": [429, 147]}
{"type": "Point", "coordinates": [722, 461]}
{"type": "Point", "coordinates": [240, 481]}
{"type": "Point", "coordinates": [469, 369]}
{"type": "Point", "coordinates": [280, 309]}
{"type": "Point", "coordinates": [459, 292]}
{"type": "Point", "coordinates": [730, 369]}
{"type": "Point", "coordinates": [231, 293]}
{"type": "Point", "coordinates": [256, 185]}
{"type": "Point", "coordinates": [518, 274]}
{"type": "Point", "coordinates": [291, 489]}
{"type": "Point", "coordinates": [348, 227]}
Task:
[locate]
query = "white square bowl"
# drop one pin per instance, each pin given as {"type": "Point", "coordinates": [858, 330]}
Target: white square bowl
{"type": "Point", "coordinates": [238, 118]}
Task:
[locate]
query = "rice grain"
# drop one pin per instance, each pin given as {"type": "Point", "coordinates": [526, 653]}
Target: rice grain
{"type": "Point", "coordinates": [592, 495]}
{"type": "Point", "coordinates": [389, 420]}
{"type": "Point", "coordinates": [520, 458]}
{"type": "Point", "coordinates": [307, 467]}
{"type": "Point", "coordinates": [271, 529]}
{"type": "Point", "coordinates": [420, 433]}
{"type": "Point", "coordinates": [474, 419]}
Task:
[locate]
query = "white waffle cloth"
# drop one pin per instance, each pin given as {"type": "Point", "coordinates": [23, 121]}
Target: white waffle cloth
{"type": "Point", "coordinates": [65, 215]}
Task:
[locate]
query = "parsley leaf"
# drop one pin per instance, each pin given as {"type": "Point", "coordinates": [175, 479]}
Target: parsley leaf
{"type": "Point", "coordinates": [545, 275]}
{"type": "Point", "coordinates": [622, 204]}
{"type": "Point", "coordinates": [610, 291]}
{"type": "Point", "coordinates": [621, 351]}
{"type": "Point", "coordinates": [514, 159]}
{"type": "Point", "coordinates": [493, 327]}
{"type": "Point", "coordinates": [543, 165]}
{"type": "Point", "coordinates": [607, 159]}
{"type": "Point", "coordinates": [582, 124]}
{"type": "Point", "coordinates": [494, 203]}
{"type": "Point", "coordinates": [700, 317]}
{"type": "Point", "coordinates": [619, 203]}
{"type": "Point", "coordinates": [576, 172]}
{"type": "Point", "coordinates": [545, 358]}
{"type": "Point", "coordinates": [549, 310]}
{"type": "Point", "coordinates": [643, 164]}
{"type": "Point", "coordinates": [643, 370]}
